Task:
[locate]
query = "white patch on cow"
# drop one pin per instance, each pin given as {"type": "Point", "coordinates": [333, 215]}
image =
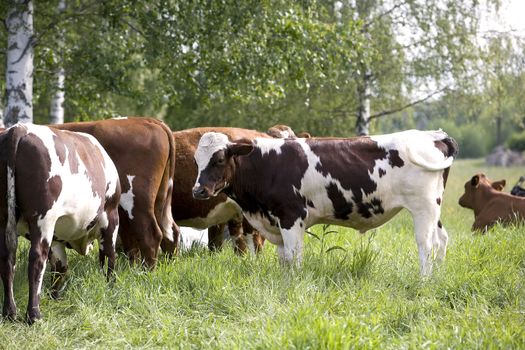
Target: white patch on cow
{"type": "Point", "coordinates": [119, 118]}
{"type": "Point", "coordinates": [209, 143]}
{"type": "Point", "coordinates": [126, 199]}
{"type": "Point", "coordinates": [268, 145]}
{"type": "Point", "coordinates": [418, 147]}
{"type": "Point", "coordinates": [291, 250]}
{"type": "Point", "coordinates": [221, 213]}
{"type": "Point", "coordinates": [263, 225]}
{"type": "Point", "coordinates": [250, 243]}
{"type": "Point", "coordinates": [59, 252]}
{"type": "Point", "coordinates": [190, 236]}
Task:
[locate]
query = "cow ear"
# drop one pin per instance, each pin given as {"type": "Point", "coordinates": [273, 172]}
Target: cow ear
{"type": "Point", "coordinates": [499, 185]}
{"type": "Point", "coordinates": [474, 181]}
{"type": "Point", "coordinates": [240, 148]}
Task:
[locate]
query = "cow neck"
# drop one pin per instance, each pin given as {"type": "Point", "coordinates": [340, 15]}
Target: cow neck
{"type": "Point", "coordinates": [239, 184]}
{"type": "Point", "coordinates": [486, 195]}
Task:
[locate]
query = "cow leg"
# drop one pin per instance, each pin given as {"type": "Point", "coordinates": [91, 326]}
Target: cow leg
{"type": "Point", "coordinates": [126, 233]}
{"type": "Point", "coordinates": [292, 250]}
{"type": "Point", "coordinates": [237, 235]}
{"type": "Point", "coordinates": [425, 219]}
{"type": "Point", "coordinates": [108, 237]}
{"type": "Point", "coordinates": [171, 247]}
{"type": "Point", "coordinates": [440, 242]}
{"type": "Point", "coordinates": [254, 240]}
{"type": "Point", "coordinates": [149, 239]}
{"type": "Point", "coordinates": [58, 264]}
{"type": "Point", "coordinates": [215, 237]}
{"type": "Point", "coordinates": [7, 272]}
{"type": "Point", "coordinates": [40, 244]}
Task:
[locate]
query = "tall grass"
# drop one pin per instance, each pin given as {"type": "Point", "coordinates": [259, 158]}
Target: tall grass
{"type": "Point", "coordinates": [365, 294]}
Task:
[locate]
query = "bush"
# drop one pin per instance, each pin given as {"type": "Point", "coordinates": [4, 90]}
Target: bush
{"type": "Point", "coordinates": [517, 142]}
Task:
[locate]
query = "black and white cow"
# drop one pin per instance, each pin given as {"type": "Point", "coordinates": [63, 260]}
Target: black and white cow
{"type": "Point", "coordinates": [63, 189]}
{"type": "Point", "coordinates": [286, 186]}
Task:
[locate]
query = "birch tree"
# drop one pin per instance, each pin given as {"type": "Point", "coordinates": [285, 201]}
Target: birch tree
{"type": "Point", "coordinates": [19, 69]}
{"type": "Point", "coordinates": [56, 111]}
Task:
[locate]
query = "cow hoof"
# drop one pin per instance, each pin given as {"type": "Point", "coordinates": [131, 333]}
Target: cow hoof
{"type": "Point", "coordinates": [11, 316]}
{"type": "Point", "coordinates": [55, 294]}
{"type": "Point", "coordinates": [32, 317]}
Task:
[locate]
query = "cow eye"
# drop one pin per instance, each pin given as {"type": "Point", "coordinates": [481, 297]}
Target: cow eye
{"type": "Point", "coordinates": [221, 161]}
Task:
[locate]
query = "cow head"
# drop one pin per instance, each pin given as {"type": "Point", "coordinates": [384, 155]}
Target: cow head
{"type": "Point", "coordinates": [476, 188]}
{"type": "Point", "coordinates": [215, 162]}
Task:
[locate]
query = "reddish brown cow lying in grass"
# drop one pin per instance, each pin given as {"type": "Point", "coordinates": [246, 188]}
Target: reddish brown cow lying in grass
{"type": "Point", "coordinates": [489, 204]}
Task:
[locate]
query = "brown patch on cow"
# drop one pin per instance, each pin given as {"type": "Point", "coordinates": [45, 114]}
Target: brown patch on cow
{"type": "Point", "coordinates": [351, 162]}
{"type": "Point", "coordinates": [438, 200]}
{"type": "Point", "coordinates": [31, 150]}
{"type": "Point", "coordinates": [60, 149]}
{"type": "Point", "coordinates": [394, 159]}
{"type": "Point", "coordinates": [342, 208]}
{"type": "Point", "coordinates": [382, 172]}
{"type": "Point", "coordinates": [366, 209]}
{"type": "Point", "coordinates": [275, 184]}
{"type": "Point", "coordinates": [448, 146]}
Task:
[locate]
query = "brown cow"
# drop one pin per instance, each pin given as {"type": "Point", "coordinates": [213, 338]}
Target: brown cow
{"type": "Point", "coordinates": [489, 204]}
{"type": "Point", "coordinates": [218, 211]}
{"type": "Point", "coordinates": [143, 151]}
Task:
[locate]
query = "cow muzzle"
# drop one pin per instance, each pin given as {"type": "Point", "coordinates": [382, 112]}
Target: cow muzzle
{"type": "Point", "coordinates": [201, 192]}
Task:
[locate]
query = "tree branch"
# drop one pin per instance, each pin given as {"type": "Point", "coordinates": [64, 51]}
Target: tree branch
{"type": "Point", "coordinates": [383, 14]}
{"type": "Point", "coordinates": [408, 105]}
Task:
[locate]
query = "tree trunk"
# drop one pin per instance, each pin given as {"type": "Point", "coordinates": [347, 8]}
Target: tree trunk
{"type": "Point", "coordinates": [56, 110]}
{"type": "Point", "coordinates": [19, 70]}
{"type": "Point", "coordinates": [364, 86]}
{"type": "Point", "coordinates": [363, 112]}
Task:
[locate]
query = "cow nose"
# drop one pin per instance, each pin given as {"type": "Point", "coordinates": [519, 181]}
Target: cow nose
{"type": "Point", "coordinates": [200, 193]}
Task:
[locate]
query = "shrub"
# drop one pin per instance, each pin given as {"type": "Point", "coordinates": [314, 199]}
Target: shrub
{"type": "Point", "coordinates": [517, 142]}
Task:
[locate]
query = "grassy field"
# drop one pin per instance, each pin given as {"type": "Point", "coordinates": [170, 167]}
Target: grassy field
{"type": "Point", "coordinates": [368, 295]}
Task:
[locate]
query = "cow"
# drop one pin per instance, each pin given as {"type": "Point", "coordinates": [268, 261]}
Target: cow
{"type": "Point", "coordinates": [217, 212]}
{"type": "Point", "coordinates": [62, 188]}
{"type": "Point", "coordinates": [489, 204]}
{"type": "Point", "coordinates": [285, 186]}
{"type": "Point", "coordinates": [143, 151]}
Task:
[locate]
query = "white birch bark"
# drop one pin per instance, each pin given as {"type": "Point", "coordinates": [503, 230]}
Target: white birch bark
{"type": "Point", "coordinates": [19, 70]}
{"type": "Point", "coordinates": [363, 113]}
{"type": "Point", "coordinates": [56, 110]}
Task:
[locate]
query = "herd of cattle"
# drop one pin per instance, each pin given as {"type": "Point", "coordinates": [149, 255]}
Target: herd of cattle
{"type": "Point", "coordinates": [132, 181]}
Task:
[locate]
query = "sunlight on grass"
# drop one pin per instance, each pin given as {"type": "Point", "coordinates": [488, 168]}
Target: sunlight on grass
{"type": "Point", "coordinates": [366, 293]}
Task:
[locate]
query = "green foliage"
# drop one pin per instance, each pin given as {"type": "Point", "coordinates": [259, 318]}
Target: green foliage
{"type": "Point", "coordinates": [517, 142]}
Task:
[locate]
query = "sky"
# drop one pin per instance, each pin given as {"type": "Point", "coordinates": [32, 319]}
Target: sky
{"type": "Point", "coordinates": [511, 16]}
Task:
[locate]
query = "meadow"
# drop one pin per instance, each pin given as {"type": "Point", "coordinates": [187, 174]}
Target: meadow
{"type": "Point", "coordinates": [353, 291]}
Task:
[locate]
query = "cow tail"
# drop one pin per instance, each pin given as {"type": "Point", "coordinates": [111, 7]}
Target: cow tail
{"type": "Point", "coordinates": [14, 135]}
{"type": "Point", "coordinates": [452, 152]}
{"type": "Point", "coordinates": [167, 223]}
{"type": "Point", "coordinates": [447, 145]}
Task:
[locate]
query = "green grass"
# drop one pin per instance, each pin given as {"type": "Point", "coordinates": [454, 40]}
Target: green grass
{"type": "Point", "coordinates": [366, 295]}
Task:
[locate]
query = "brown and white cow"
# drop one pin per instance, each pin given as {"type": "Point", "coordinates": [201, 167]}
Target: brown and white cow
{"type": "Point", "coordinates": [285, 186]}
{"type": "Point", "coordinates": [489, 204]}
{"type": "Point", "coordinates": [143, 151]}
{"type": "Point", "coordinates": [62, 188]}
{"type": "Point", "coordinates": [220, 210]}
